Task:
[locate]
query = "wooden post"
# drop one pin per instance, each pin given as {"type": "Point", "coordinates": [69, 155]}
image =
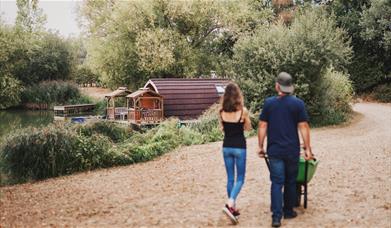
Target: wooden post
{"type": "Point", "coordinates": [107, 109]}
{"type": "Point", "coordinates": [162, 108]}
{"type": "Point", "coordinates": [113, 108]}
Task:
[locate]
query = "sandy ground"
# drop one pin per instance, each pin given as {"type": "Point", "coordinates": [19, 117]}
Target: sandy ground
{"type": "Point", "coordinates": [187, 187]}
{"type": "Point", "coordinates": [95, 92]}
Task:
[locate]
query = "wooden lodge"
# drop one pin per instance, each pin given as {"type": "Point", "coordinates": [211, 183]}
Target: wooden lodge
{"type": "Point", "coordinates": [185, 99]}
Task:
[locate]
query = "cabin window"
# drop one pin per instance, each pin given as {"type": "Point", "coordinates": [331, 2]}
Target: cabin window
{"type": "Point", "coordinates": [220, 89]}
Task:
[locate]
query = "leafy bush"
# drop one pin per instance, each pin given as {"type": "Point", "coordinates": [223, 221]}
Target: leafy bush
{"type": "Point", "coordinates": [56, 150]}
{"type": "Point", "coordinates": [157, 141]}
{"type": "Point", "coordinates": [208, 125]}
{"type": "Point", "coordinates": [54, 93]}
{"type": "Point", "coordinates": [116, 132]}
{"type": "Point", "coordinates": [190, 136]}
{"type": "Point", "coordinates": [100, 107]}
{"type": "Point", "coordinates": [333, 106]}
{"type": "Point", "coordinates": [382, 93]}
{"type": "Point", "coordinates": [10, 90]}
{"type": "Point", "coordinates": [52, 151]}
{"type": "Point", "coordinates": [303, 50]}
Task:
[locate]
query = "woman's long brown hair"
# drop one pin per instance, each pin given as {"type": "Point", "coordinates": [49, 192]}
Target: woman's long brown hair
{"type": "Point", "coordinates": [233, 99]}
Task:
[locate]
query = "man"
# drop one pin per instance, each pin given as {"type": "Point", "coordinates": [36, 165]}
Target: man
{"type": "Point", "coordinates": [280, 120]}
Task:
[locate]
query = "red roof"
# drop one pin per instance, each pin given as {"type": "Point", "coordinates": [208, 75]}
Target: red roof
{"type": "Point", "coordinates": [120, 92]}
{"type": "Point", "coordinates": [142, 92]}
{"type": "Point", "coordinates": [187, 98]}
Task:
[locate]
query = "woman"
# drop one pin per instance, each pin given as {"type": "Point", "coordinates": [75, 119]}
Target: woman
{"type": "Point", "coordinates": [234, 118]}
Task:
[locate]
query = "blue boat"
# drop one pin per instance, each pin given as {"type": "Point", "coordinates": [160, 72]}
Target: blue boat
{"type": "Point", "coordinates": [78, 119]}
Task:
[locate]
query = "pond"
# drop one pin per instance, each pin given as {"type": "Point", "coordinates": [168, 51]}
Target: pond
{"type": "Point", "coordinates": [15, 119]}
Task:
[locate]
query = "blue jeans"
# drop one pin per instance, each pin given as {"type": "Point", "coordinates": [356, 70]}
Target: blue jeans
{"type": "Point", "coordinates": [283, 174]}
{"type": "Point", "coordinates": [234, 158]}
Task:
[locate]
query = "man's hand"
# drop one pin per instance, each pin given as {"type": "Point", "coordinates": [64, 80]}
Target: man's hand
{"type": "Point", "coordinates": [262, 128]}
{"type": "Point", "coordinates": [261, 152]}
{"type": "Point", "coordinates": [308, 155]}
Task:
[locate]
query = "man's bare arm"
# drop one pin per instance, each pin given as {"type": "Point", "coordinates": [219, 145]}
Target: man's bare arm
{"type": "Point", "coordinates": [262, 129]}
{"type": "Point", "coordinates": [304, 129]}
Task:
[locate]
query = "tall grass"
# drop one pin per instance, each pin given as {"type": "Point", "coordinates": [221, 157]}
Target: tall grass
{"type": "Point", "coordinates": [117, 133]}
{"type": "Point", "coordinates": [55, 150]}
{"type": "Point", "coordinates": [52, 151]}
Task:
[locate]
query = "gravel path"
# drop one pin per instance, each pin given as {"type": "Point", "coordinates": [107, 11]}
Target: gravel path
{"type": "Point", "coordinates": [187, 187]}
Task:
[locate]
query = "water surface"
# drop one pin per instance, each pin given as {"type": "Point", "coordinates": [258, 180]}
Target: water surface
{"type": "Point", "coordinates": [11, 120]}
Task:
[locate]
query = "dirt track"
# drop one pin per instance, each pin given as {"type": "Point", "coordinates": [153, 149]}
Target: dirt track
{"type": "Point", "coordinates": [187, 187]}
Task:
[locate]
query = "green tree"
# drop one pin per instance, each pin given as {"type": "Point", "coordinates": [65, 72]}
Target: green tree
{"type": "Point", "coordinates": [375, 23]}
{"type": "Point", "coordinates": [10, 88]}
{"type": "Point", "coordinates": [84, 76]}
{"type": "Point", "coordinates": [375, 26]}
{"type": "Point", "coordinates": [50, 59]}
{"type": "Point", "coordinates": [133, 40]}
{"type": "Point", "coordinates": [30, 17]}
{"type": "Point", "coordinates": [370, 62]}
{"type": "Point", "coordinates": [28, 58]}
{"type": "Point", "coordinates": [302, 49]}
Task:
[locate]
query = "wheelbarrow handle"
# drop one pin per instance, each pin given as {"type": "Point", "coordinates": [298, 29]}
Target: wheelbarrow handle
{"type": "Point", "coordinates": [267, 162]}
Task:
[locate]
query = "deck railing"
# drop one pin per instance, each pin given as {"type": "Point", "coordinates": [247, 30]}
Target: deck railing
{"type": "Point", "coordinates": [117, 113]}
{"type": "Point", "coordinates": [145, 116]}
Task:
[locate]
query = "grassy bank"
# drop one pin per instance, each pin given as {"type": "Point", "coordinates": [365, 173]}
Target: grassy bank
{"type": "Point", "coordinates": [58, 149]}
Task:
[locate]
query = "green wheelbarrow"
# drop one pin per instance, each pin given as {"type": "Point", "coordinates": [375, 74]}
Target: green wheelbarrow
{"type": "Point", "coordinates": [306, 171]}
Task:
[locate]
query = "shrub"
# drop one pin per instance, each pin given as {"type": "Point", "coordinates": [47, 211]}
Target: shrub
{"type": "Point", "coordinates": [52, 151]}
{"type": "Point", "coordinates": [208, 125]}
{"type": "Point", "coordinates": [114, 131]}
{"type": "Point", "coordinates": [54, 93]}
{"type": "Point", "coordinates": [190, 136]}
{"type": "Point", "coordinates": [56, 150]}
{"type": "Point", "coordinates": [10, 90]}
{"type": "Point", "coordinates": [303, 50]}
{"type": "Point", "coordinates": [333, 106]}
{"type": "Point", "coordinates": [100, 107]}
{"type": "Point", "coordinates": [157, 141]}
{"type": "Point", "coordinates": [382, 93]}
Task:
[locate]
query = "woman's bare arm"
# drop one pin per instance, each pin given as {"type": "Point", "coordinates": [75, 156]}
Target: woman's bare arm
{"type": "Point", "coordinates": [247, 121]}
{"type": "Point", "coordinates": [221, 121]}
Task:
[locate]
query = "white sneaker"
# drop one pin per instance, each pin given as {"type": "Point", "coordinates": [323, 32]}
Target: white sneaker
{"type": "Point", "coordinates": [229, 213]}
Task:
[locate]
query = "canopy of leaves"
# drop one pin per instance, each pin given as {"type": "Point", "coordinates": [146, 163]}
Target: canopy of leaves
{"type": "Point", "coordinates": [83, 75]}
{"type": "Point", "coordinates": [30, 18]}
{"type": "Point", "coordinates": [29, 54]}
{"type": "Point", "coordinates": [368, 24]}
{"type": "Point", "coordinates": [133, 40]}
{"type": "Point", "coordinates": [303, 50]}
{"type": "Point", "coordinates": [10, 89]}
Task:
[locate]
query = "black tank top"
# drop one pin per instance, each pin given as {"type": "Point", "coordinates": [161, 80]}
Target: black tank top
{"type": "Point", "coordinates": [234, 133]}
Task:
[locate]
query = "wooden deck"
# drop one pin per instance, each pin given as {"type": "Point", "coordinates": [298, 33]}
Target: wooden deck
{"type": "Point", "coordinates": [71, 110]}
